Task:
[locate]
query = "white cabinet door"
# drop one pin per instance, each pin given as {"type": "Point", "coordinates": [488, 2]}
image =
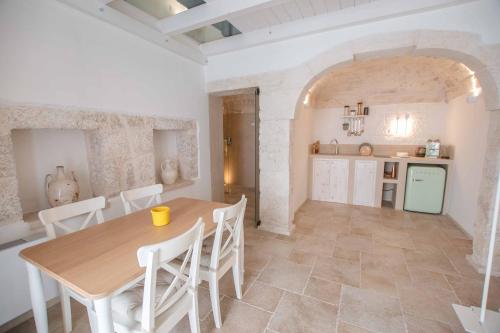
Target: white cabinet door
{"type": "Point", "coordinates": [339, 180]}
{"type": "Point", "coordinates": [330, 180]}
{"type": "Point", "coordinates": [365, 177]}
{"type": "Point", "coordinates": [321, 180]}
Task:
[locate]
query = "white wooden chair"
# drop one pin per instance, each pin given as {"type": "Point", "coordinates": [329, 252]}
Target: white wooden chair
{"type": "Point", "coordinates": [150, 193]}
{"type": "Point", "coordinates": [168, 293]}
{"type": "Point", "coordinates": [226, 252]}
{"type": "Point", "coordinates": [54, 217]}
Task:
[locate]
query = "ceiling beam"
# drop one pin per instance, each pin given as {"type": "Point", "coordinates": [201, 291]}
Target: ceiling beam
{"type": "Point", "coordinates": [367, 13]}
{"type": "Point", "coordinates": [141, 29]}
{"type": "Point", "coordinates": [210, 13]}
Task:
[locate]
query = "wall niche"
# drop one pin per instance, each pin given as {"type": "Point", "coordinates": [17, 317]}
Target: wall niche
{"type": "Point", "coordinates": [170, 144]}
{"type": "Point", "coordinates": [37, 152]}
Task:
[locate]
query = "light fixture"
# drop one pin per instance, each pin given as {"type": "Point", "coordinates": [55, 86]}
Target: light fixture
{"type": "Point", "coordinates": [307, 98]}
{"type": "Point", "coordinates": [400, 126]}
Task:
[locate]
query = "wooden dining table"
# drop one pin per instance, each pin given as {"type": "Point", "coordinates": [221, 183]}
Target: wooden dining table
{"type": "Point", "coordinates": [101, 261]}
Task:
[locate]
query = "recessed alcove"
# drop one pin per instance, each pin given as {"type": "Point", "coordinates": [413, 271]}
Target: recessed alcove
{"type": "Point", "coordinates": [37, 152]}
{"type": "Point", "coordinates": [166, 147]}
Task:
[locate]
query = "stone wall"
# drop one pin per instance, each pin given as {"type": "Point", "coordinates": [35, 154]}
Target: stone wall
{"type": "Point", "coordinates": [120, 148]}
{"type": "Point", "coordinates": [482, 226]}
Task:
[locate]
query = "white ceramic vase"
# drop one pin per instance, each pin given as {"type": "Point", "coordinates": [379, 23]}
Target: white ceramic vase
{"type": "Point", "coordinates": [61, 188]}
{"type": "Point", "coordinates": [169, 171]}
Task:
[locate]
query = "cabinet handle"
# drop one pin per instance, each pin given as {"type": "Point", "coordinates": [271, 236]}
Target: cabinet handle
{"type": "Point", "coordinates": [417, 180]}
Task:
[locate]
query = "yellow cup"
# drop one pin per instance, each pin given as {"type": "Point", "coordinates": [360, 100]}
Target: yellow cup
{"type": "Point", "coordinates": [160, 215]}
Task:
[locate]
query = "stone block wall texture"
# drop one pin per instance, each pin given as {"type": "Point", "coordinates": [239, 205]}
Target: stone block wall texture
{"type": "Point", "coordinates": [482, 227]}
{"type": "Point", "coordinates": [120, 148]}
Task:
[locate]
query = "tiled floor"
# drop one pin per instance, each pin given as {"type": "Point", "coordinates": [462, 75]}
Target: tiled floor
{"type": "Point", "coordinates": [345, 269]}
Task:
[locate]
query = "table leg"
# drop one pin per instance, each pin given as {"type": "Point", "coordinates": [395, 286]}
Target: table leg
{"type": "Point", "coordinates": [104, 318]}
{"type": "Point", "coordinates": [37, 299]}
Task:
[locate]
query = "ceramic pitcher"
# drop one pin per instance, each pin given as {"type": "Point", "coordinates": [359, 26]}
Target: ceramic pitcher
{"type": "Point", "coordinates": [61, 188]}
{"type": "Point", "coordinates": [169, 171]}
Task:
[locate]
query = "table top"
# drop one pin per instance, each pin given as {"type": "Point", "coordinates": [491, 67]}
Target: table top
{"type": "Point", "coordinates": [101, 259]}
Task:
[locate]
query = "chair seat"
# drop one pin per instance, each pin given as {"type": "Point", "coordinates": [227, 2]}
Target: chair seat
{"type": "Point", "coordinates": [128, 304]}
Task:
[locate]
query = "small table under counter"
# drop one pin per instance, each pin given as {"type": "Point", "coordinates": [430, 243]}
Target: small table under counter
{"type": "Point", "coordinates": [361, 180]}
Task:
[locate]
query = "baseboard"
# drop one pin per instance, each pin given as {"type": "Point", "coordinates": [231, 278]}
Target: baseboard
{"type": "Point", "coordinates": [276, 229]}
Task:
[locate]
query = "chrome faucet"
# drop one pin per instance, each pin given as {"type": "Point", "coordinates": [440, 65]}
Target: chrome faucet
{"type": "Point", "coordinates": [336, 145]}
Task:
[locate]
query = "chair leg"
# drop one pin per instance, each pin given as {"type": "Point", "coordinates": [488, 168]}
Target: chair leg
{"type": "Point", "coordinates": [237, 275]}
{"type": "Point", "coordinates": [92, 318]}
{"type": "Point", "coordinates": [242, 260]}
{"type": "Point", "coordinates": [66, 309]}
{"type": "Point", "coordinates": [214, 297]}
{"type": "Point", "coordinates": [194, 317]}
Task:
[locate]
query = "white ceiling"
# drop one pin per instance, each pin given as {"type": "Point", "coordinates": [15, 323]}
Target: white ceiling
{"type": "Point", "coordinates": [190, 32]}
{"type": "Point", "coordinates": [291, 10]}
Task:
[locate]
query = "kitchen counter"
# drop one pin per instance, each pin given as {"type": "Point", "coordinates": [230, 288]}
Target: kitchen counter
{"type": "Point", "coordinates": [377, 182]}
{"type": "Point", "coordinates": [383, 158]}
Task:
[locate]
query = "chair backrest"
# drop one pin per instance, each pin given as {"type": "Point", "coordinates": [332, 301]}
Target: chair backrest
{"type": "Point", "coordinates": [54, 217]}
{"type": "Point", "coordinates": [228, 234]}
{"type": "Point", "coordinates": [158, 256]}
{"type": "Point", "coordinates": [150, 193]}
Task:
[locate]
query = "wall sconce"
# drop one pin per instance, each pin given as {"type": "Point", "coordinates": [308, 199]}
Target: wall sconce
{"type": "Point", "coordinates": [307, 98]}
{"type": "Point", "coordinates": [400, 126]}
{"type": "Point", "coordinates": [475, 89]}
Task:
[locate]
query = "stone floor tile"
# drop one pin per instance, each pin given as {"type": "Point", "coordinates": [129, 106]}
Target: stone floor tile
{"type": "Point", "coordinates": [255, 261]}
{"type": "Point", "coordinates": [342, 253]}
{"type": "Point", "coordinates": [378, 280]}
{"type": "Point", "coordinates": [429, 260]}
{"type": "Point", "coordinates": [433, 304]}
{"type": "Point", "coordinates": [355, 243]}
{"type": "Point", "coordinates": [263, 296]}
{"type": "Point", "coordinates": [337, 270]}
{"type": "Point", "coordinates": [285, 274]}
{"type": "Point", "coordinates": [272, 247]}
{"type": "Point", "coordinates": [315, 246]}
{"type": "Point", "coordinates": [371, 310]}
{"type": "Point", "coordinates": [297, 313]}
{"type": "Point", "coordinates": [470, 291]}
{"type": "Point", "coordinates": [425, 279]}
{"type": "Point", "coordinates": [238, 317]}
{"type": "Point", "coordinates": [302, 258]}
{"type": "Point", "coordinates": [395, 239]}
{"type": "Point", "coordinates": [344, 327]}
{"type": "Point", "coordinates": [323, 290]}
{"type": "Point", "coordinates": [419, 325]}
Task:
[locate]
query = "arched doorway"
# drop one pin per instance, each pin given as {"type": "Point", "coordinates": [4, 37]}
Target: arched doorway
{"type": "Point", "coordinates": [480, 71]}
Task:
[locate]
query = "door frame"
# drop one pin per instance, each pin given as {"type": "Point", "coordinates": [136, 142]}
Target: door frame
{"type": "Point", "coordinates": [216, 134]}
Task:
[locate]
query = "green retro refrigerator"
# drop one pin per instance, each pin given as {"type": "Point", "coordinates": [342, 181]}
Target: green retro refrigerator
{"type": "Point", "coordinates": [425, 189]}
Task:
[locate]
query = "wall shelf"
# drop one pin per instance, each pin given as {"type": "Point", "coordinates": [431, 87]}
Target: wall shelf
{"type": "Point", "coordinates": [180, 183]}
{"type": "Point", "coordinates": [356, 116]}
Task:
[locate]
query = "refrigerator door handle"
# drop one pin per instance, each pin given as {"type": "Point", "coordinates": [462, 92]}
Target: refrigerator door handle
{"type": "Point", "coordinates": [417, 180]}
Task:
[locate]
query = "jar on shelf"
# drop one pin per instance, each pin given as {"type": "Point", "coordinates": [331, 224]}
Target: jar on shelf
{"type": "Point", "coordinates": [346, 110]}
{"type": "Point", "coordinates": [360, 109]}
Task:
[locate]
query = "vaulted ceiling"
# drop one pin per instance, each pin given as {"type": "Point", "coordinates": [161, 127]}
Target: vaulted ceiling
{"type": "Point", "coordinates": [404, 79]}
{"type": "Point", "coordinates": [197, 29]}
